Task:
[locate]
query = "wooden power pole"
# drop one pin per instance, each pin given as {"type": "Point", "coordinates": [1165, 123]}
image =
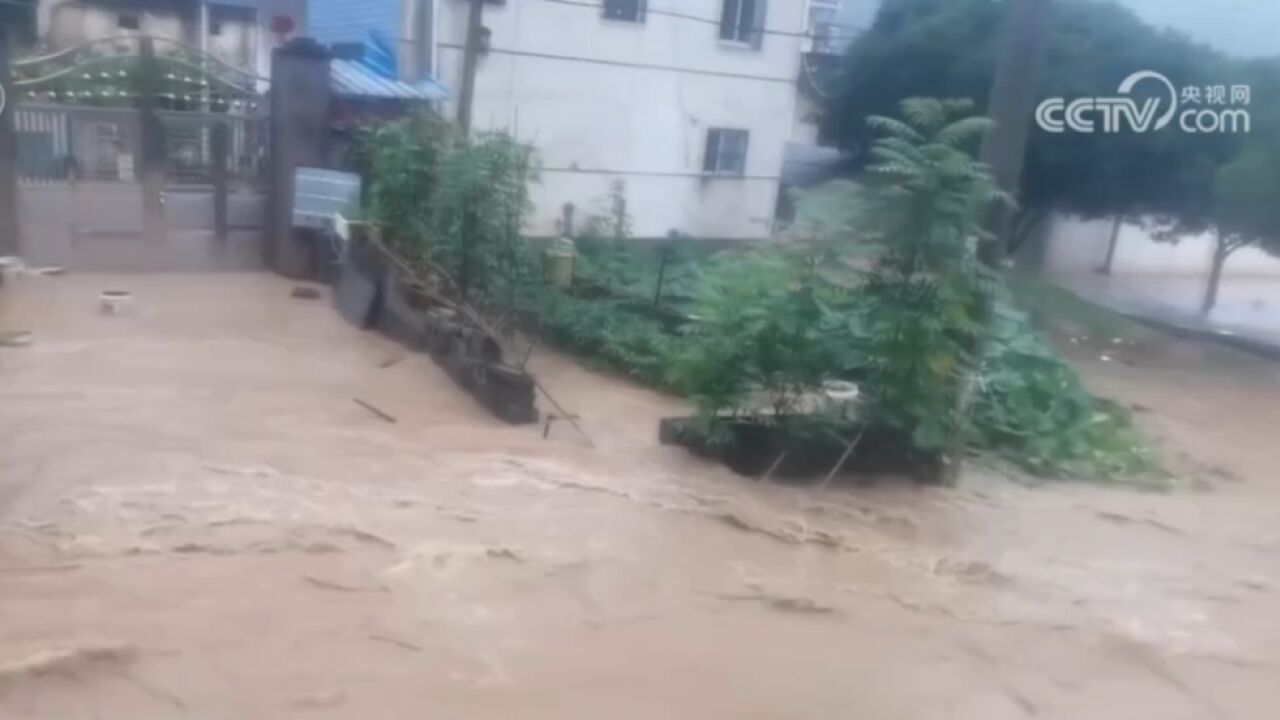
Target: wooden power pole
{"type": "Point", "coordinates": [1012, 107]}
{"type": "Point", "coordinates": [1024, 39]}
{"type": "Point", "coordinates": [470, 58]}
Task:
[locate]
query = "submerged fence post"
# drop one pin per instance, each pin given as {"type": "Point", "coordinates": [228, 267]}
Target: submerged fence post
{"type": "Point", "coordinates": [9, 244]}
{"type": "Point", "coordinates": [151, 149]}
{"type": "Point", "coordinates": [663, 256]}
{"type": "Point", "coordinates": [220, 147]}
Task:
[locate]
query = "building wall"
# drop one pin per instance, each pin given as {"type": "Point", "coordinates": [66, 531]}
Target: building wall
{"type": "Point", "coordinates": [63, 23]}
{"type": "Point", "coordinates": [296, 10]}
{"type": "Point", "coordinates": [604, 101]}
{"type": "Point", "coordinates": [351, 21]}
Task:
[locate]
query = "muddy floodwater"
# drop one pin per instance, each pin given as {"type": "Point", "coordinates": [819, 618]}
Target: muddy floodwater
{"type": "Point", "coordinates": [197, 520]}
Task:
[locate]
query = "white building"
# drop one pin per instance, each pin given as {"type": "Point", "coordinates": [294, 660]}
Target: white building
{"type": "Point", "coordinates": [238, 32]}
{"type": "Point", "coordinates": [687, 105]}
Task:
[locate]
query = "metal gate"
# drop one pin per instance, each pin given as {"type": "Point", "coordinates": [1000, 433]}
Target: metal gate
{"type": "Point", "coordinates": [140, 154]}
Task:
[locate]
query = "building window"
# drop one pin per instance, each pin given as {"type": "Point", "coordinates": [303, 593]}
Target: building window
{"type": "Point", "coordinates": [726, 152]}
{"type": "Point", "coordinates": [626, 10]}
{"type": "Point", "coordinates": [128, 21]}
{"type": "Point", "coordinates": [824, 26]}
{"type": "Point", "coordinates": [743, 22]}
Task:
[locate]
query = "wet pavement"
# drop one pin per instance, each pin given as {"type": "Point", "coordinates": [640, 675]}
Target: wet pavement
{"type": "Point", "coordinates": [1246, 315]}
{"type": "Point", "coordinates": [197, 520]}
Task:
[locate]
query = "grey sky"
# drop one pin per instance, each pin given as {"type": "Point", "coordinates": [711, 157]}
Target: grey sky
{"type": "Point", "coordinates": [1244, 28]}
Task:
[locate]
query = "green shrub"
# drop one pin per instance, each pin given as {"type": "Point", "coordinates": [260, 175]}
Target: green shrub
{"type": "Point", "coordinates": [607, 331]}
{"type": "Point", "coordinates": [456, 202]}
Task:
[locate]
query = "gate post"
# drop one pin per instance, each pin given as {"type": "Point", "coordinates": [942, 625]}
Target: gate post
{"type": "Point", "coordinates": [299, 123]}
{"type": "Point", "coordinates": [151, 149]}
{"type": "Point", "coordinates": [220, 148]}
{"type": "Point", "coordinates": [9, 244]}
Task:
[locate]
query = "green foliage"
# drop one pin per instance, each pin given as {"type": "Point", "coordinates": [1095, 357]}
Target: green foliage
{"type": "Point", "coordinates": [1247, 194]}
{"type": "Point", "coordinates": [768, 336]}
{"type": "Point", "coordinates": [921, 298]}
{"type": "Point", "coordinates": [881, 285]}
{"type": "Point", "coordinates": [1033, 410]}
{"type": "Point", "coordinates": [886, 295]}
{"type": "Point", "coordinates": [455, 202]}
{"type": "Point", "coordinates": [479, 207]}
{"type": "Point", "coordinates": [606, 330]}
{"type": "Point", "coordinates": [629, 269]}
{"type": "Point", "coordinates": [401, 163]}
{"type": "Point", "coordinates": [946, 48]}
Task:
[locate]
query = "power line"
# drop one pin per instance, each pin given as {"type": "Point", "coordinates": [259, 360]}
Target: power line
{"type": "Point", "coordinates": [704, 20]}
{"type": "Point", "coordinates": [621, 63]}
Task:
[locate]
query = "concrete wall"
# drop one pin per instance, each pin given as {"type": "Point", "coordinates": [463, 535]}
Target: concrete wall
{"type": "Point", "coordinates": [267, 42]}
{"type": "Point", "coordinates": [604, 100]}
{"type": "Point", "coordinates": [63, 23]}
{"type": "Point", "coordinates": [1076, 246]}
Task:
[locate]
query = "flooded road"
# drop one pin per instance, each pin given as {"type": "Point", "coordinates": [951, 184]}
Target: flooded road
{"type": "Point", "coordinates": [196, 520]}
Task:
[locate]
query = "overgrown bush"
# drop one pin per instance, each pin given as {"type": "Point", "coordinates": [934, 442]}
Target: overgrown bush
{"type": "Point", "coordinates": [770, 332]}
{"type": "Point", "coordinates": [1033, 410]}
{"type": "Point", "coordinates": [607, 331]}
{"type": "Point", "coordinates": [625, 268]}
{"type": "Point", "coordinates": [881, 285]}
{"type": "Point", "coordinates": [886, 293]}
{"type": "Point", "coordinates": [455, 202]}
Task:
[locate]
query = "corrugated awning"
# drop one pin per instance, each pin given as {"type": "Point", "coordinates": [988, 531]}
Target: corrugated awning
{"type": "Point", "coordinates": [352, 79]}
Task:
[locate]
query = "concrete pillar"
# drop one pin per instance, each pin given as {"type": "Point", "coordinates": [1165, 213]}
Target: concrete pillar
{"type": "Point", "coordinates": [300, 96]}
{"type": "Point", "coordinates": [9, 243]}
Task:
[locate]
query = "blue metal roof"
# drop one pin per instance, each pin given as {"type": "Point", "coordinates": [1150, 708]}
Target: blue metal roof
{"type": "Point", "coordinates": [353, 79]}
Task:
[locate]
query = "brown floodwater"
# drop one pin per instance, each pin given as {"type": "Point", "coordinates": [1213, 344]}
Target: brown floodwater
{"type": "Point", "coordinates": [197, 520]}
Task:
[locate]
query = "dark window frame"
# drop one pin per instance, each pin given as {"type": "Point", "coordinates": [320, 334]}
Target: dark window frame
{"type": "Point", "coordinates": [725, 154]}
{"type": "Point", "coordinates": [742, 22]}
{"type": "Point", "coordinates": [128, 21]}
{"type": "Point", "coordinates": [629, 11]}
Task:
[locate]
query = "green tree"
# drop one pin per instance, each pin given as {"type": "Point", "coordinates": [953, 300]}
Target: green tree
{"type": "Point", "coordinates": [881, 285]}
{"type": "Point", "coordinates": [1247, 207]}
{"type": "Point", "coordinates": [887, 294]}
{"type": "Point", "coordinates": [946, 48]}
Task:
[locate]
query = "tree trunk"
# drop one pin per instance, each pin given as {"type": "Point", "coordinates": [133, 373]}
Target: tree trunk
{"type": "Point", "coordinates": [1220, 254]}
{"type": "Point", "coordinates": [1105, 267]}
{"type": "Point", "coordinates": [1025, 225]}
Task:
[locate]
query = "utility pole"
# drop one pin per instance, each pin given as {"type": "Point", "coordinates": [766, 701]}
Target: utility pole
{"type": "Point", "coordinates": [1024, 39]}
{"type": "Point", "coordinates": [471, 56]}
